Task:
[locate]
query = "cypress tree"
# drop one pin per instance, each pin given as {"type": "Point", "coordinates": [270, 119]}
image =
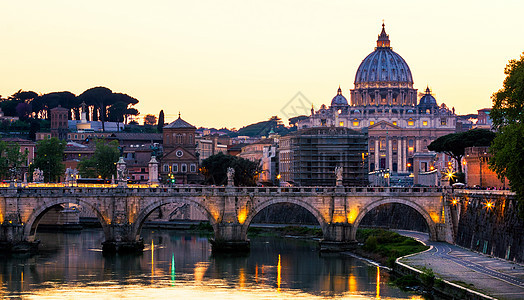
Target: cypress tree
{"type": "Point", "coordinates": [160, 124]}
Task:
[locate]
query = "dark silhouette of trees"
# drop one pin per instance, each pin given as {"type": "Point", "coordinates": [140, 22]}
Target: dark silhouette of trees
{"type": "Point", "coordinates": [11, 160]}
{"type": "Point", "coordinates": [101, 99]}
{"type": "Point", "coordinates": [214, 168]}
{"type": "Point", "coordinates": [103, 161]}
{"type": "Point", "coordinates": [48, 158]}
{"type": "Point", "coordinates": [508, 117]}
{"type": "Point", "coordinates": [160, 125]}
{"type": "Point", "coordinates": [454, 144]}
{"type": "Point", "coordinates": [149, 120]}
{"type": "Point", "coordinates": [42, 104]}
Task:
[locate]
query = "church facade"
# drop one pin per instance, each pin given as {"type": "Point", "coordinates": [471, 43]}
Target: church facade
{"type": "Point", "coordinates": [384, 103]}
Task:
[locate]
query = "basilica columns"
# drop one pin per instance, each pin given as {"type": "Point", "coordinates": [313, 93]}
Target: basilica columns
{"type": "Point", "coordinates": [390, 155]}
{"type": "Point", "coordinates": [399, 155]}
{"type": "Point", "coordinates": [377, 155]}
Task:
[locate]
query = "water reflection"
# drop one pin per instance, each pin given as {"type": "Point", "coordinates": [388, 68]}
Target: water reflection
{"type": "Point", "coordinates": [176, 264]}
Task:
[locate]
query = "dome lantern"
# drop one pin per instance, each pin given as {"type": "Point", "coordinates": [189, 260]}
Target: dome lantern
{"type": "Point", "coordinates": [383, 38]}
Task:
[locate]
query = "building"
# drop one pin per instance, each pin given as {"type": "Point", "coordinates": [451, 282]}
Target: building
{"type": "Point", "coordinates": [180, 159]}
{"type": "Point", "coordinates": [477, 169]}
{"type": "Point", "coordinates": [210, 145]}
{"type": "Point", "coordinates": [484, 119]}
{"type": "Point", "coordinates": [309, 156]}
{"type": "Point", "coordinates": [384, 101]}
{"type": "Point", "coordinates": [25, 146]}
{"type": "Point", "coordinates": [255, 151]}
{"type": "Point", "coordinates": [7, 118]}
{"type": "Point", "coordinates": [59, 118]}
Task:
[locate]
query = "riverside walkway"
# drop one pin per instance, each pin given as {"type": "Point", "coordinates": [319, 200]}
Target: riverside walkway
{"type": "Point", "coordinates": [491, 276]}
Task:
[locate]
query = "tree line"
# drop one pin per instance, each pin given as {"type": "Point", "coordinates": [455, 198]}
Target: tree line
{"type": "Point", "coordinates": [101, 103]}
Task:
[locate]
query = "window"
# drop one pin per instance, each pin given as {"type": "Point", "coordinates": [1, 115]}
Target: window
{"type": "Point", "coordinates": [192, 168]}
{"type": "Point", "coordinates": [175, 168]}
{"type": "Point", "coordinates": [166, 168]}
{"type": "Point", "coordinates": [341, 124]}
{"type": "Point", "coordinates": [410, 122]}
{"type": "Point", "coordinates": [425, 123]}
{"type": "Point", "coordinates": [355, 123]}
{"type": "Point", "coordinates": [443, 122]}
{"type": "Point", "coordinates": [395, 123]}
{"type": "Point", "coordinates": [184, 168]}
{"type": "Point", "coordinates": [371, 123]}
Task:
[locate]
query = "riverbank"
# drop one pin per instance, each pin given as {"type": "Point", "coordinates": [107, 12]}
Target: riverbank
{"type": "Point", "coordinates": [462, 273]}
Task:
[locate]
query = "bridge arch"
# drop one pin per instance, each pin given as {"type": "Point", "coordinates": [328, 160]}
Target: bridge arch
{"type": "Point", "coordinates": [431, 225]}
{"type": "Point", "coordinates": [264, 204]}
{"type": "Point", "coordinates": [148, 209]}
{"type": "Point", "coordinates": [37, 214]}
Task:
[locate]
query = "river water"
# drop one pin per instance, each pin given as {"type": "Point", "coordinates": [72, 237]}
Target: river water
{"type": "Point", "coordinates": [179, 265]}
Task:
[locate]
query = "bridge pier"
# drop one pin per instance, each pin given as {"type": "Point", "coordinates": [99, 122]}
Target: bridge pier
{"type": "Point", "coordinates": [338, 237]}
{"type": "Point", "coordinates": [12, 238]}
{"type": "Point", "coordinates": [120, 239]}
{"type": "Point", "coordinates": [230, 237]}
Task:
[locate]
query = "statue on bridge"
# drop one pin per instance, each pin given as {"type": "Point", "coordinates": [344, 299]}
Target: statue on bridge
{"type": "Point", "coordinates": [338, 174]}
{"type": "Point", "coordinates": [38, 175]}
{"type": "Point", "coordinates": [70, 175]}
{"type": "Point", "coordinates": [121, 172]}
{"type": "Point", "coordinates": [230, 176]}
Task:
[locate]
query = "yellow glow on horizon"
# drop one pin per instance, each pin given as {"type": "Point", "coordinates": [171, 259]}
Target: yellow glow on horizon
{"type": "Point", "coordinates": [285, 50]}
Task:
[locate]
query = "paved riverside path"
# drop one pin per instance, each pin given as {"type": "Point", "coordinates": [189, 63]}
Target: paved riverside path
{"type": "Point", "coordinates": [495, 277]}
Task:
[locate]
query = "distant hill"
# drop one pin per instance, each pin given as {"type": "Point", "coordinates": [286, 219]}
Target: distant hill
{"type": "Point", "coordinates": [263, 128]}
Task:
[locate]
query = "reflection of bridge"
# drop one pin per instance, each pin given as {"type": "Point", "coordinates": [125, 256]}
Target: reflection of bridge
{"type": "Point", "coordinates": [122, 211]}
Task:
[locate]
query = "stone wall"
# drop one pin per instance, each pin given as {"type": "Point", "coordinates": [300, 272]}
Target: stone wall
{"type": "Point", "coordinates": [494, 229]}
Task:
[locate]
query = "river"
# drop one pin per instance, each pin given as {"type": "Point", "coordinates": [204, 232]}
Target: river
{"type": "Point", "coordinates": [177, 265]}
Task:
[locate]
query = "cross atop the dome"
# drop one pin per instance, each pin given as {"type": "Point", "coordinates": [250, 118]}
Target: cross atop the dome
{"type": "Point", "coordinates": [179, 114]}
{"type": "Point", "coordinates": [339, 92]}
{"type": "Point", "coordinates": [383, 38]}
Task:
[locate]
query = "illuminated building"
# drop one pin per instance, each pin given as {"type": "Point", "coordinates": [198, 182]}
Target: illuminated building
{"type": "Point", "coordinates": [385, 103]}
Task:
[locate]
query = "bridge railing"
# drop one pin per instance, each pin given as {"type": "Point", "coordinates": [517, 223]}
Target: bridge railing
{"type": "Point", "coordinates": [213, 190]}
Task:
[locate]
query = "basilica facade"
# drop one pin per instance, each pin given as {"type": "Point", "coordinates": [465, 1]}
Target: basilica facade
{"type": "Point", "coordinates": [384, 103]}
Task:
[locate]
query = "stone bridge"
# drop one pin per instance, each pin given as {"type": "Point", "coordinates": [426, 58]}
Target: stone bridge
{"type": "Point", "coordinates": [123, 210]}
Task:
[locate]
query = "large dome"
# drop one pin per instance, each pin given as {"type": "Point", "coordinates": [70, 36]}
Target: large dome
{"type": "Point", "coordinates": [383, 78]}
{"type": "Point", "coordinates": [384, 65]}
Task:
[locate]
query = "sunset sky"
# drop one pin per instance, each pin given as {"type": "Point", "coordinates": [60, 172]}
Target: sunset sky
{"type": "Point", "coordinates": [231, 63]}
